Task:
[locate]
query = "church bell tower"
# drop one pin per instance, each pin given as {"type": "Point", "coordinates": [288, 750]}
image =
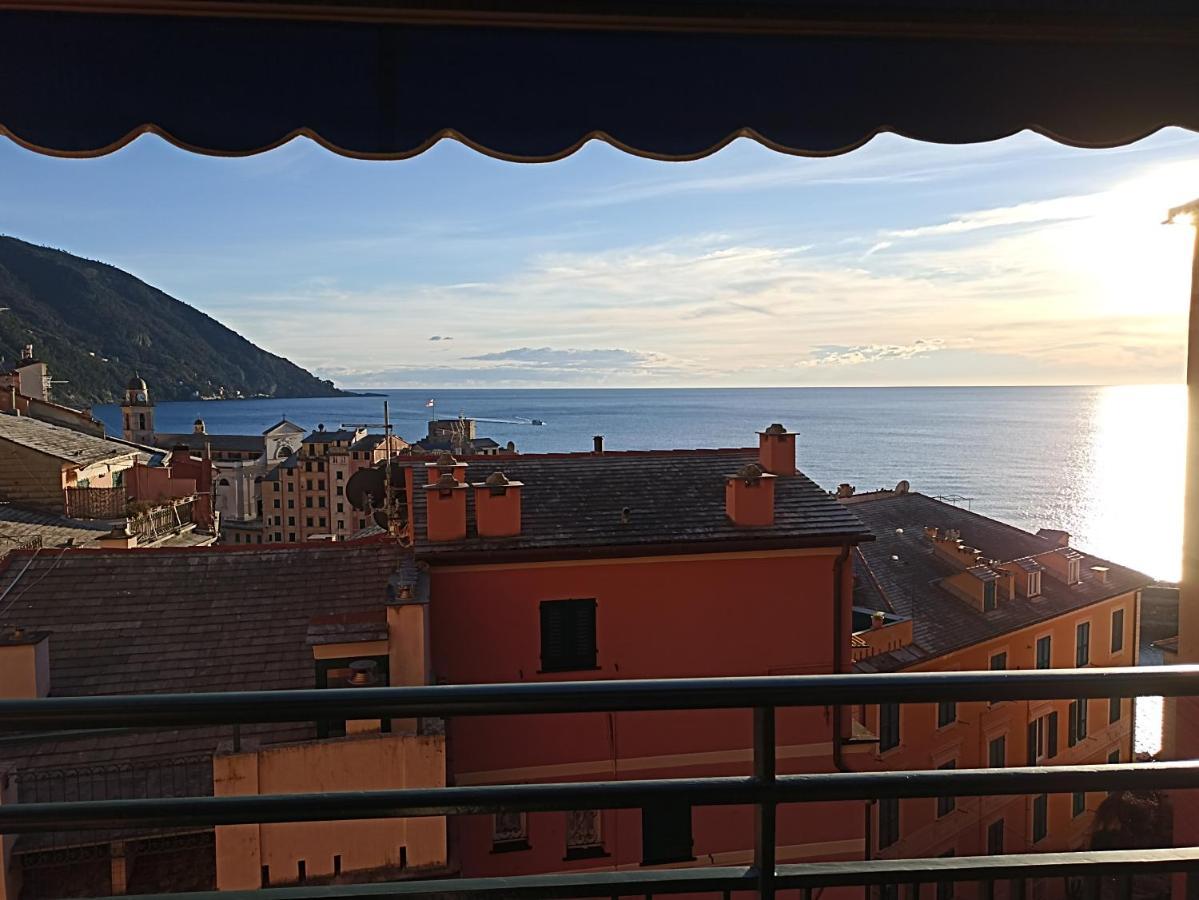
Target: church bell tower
{"type": "Point", "coordinates": [137, 411]}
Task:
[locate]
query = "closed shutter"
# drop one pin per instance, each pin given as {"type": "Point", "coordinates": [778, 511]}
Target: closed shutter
{"type": "Point", "coordinates": [1032, 743]}
{"type": "Point", "coordinates": [1051, 741]}
{"type": "Point", "coordinates": [1072, 738]}
{"type": "Point", "coordinates": [568, 635]}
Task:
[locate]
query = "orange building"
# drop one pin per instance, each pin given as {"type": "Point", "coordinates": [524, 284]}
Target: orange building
{"type": "Point", "coordinates": [635, 565]}
{"type": "Point", "coordinates": [976, 594]}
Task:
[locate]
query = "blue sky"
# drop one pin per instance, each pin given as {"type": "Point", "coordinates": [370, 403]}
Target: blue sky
{"type": "Point", "coordinates": [1015, 262]}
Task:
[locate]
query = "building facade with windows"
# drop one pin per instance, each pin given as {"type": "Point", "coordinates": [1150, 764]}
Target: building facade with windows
{"type": "Point", "coordinates": [984, 595]}
{"type": "Point", "coordinates": [635, 565]}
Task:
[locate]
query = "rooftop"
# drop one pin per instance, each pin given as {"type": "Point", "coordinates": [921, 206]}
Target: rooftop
{"type": "Point", "coordinates": [674, 497]}
{"type": "Point", "coordinates": [249, 443]}
{"type": "Point", "coordinates": [61, 443]}
{"type": "Point", "coordinates": [146, 621]}
{"type": "Point", "coordinates": [328, 437]}
{"type": "Point", "coordinates": [901, 565]}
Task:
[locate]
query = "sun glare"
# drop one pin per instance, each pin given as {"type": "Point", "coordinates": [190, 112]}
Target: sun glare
{"type": "Point", "coordinates": [1125, 262]}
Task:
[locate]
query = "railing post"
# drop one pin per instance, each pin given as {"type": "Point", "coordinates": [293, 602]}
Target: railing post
{"type": "Point", "coordinates": [764, 821]}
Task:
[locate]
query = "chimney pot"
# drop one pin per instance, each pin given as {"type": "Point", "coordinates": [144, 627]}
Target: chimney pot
{"type": "Point", "coordinates": [776, 450]}
{"type": "Point", "coordinates": [597, 443]}
{"type": "Point", "coordinates": [497, 506]}
{"type": "Point", "coordinates": [877, 620]}
{"type": "Point", "coordinates": [749, 496]}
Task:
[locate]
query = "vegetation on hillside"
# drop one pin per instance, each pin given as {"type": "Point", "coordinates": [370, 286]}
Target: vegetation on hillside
{"type": "Point", "coordinates": [95, 325]}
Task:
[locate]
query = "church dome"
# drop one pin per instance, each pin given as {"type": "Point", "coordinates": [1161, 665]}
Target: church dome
{"type": "Point", "coordinates": [136, 384]}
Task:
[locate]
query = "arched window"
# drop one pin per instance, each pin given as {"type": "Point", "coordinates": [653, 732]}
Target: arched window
{"type": "Point", "coordinates": [224, 482]}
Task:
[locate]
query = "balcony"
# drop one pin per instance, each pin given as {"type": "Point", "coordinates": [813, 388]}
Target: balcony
{"type": "Point", "coordinates": [70, 810]}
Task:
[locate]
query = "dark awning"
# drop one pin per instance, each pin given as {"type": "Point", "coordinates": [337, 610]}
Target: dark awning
{"type": "Point", "coordinates": [675, 79]}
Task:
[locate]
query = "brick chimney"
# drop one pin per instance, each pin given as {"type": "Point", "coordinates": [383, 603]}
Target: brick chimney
{"type": "Point", "coordinates": [497, 506]}
{"type": "Point", "coordinates": [120, 538]}
{"type": "Point", "coordinates": [776, 450]}
{"type": "Point", "coordinates": [445, 501]}
{"type": "Point", "coordinates": [445, 464]}
{"type": "Point", "coordinates": [24, 664]}
{"type": "Point", "coordinates": [749, 496]}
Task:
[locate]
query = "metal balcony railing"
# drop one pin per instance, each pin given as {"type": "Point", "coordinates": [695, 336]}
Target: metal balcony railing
{"type": "Point", "coordinates": [764, 789]}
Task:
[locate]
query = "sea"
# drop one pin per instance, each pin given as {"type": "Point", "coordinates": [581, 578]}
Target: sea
{"type": "Point", "coordinates": [1103, 463]}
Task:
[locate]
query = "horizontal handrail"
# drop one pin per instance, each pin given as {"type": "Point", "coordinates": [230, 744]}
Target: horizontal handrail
{"type": "Point", "coordinates": [155, 710]}
{"type": "Point", "coordinates": [718, 791]}
{"type": "Point", "coordinates": [743, 878]}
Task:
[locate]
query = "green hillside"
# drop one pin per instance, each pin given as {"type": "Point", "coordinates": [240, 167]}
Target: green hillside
{"type": "Point", "coordinates": [95, 325]}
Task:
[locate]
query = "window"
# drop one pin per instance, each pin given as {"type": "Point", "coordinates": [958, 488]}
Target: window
{"type": "Point", "coordinates": [320, 485]}
{"type": "Point", "coordinates": [945, 888]}
{"type": "Point", "coordinates": [276, 503]}
{"type": "Point", "coordinates": [1045, 652]}
{"type": "Point", "coordinates": [1117, 631]}
{"type": "Point", "coordinates": [1113, 710]}
{"type": "Point", "coordinates": [1082, 644]}
{"type": "Point", "coordinates": [292, 535]}
{"type": "Point", "coordinates": [340, 507]}
{"type": "Point", "coordinates": [945, 805]}
{"type": "Point", "coordinates": [340, 475]}
{"type": "Point", "coordinates": [291, 520]}
{"type": "Point", "coordinates": [583, 834]}
{"type": "Point", "coordinates": [321, 501]}
{"type": "Point", "coordinates": [1114, 757]}
{"type": "Point", "coordinates": [291, 503]}
{"type": "Point", "coordinates": [999, 662]}
{"type": "Point", "coordinates": [988, 596]}
{"type": "Point", "coordinates": [888, 822]}
{"type": "Point", "coordinates": [1034, 584]}
{"type": "Point", "coordinates": [997, 752]}
{"type": "Point", "coordinates": [947, 713]}
{"type": "Point", "coordinates": [1040, 817]}
{"type": "Point", "coordinates": [1042, 739]}
{"type": "Point", "coordinates": [888, 726]}
{"type": "Point", "coordinates": [321, 523]}
{"type": "Point", "coordinates": [1078, 721]}
{"type": "Point", "coordinates": [666, 833]}
{"type": "Point", "coordinates": [568, 635]}
{"type": "Point", "coordinates": [340, 490]}
{"type": "Point", "coordinates": [995, 837]}
{"type": "Point", "coordinates": [1073, 571]}
{"type": "Point", "coordinates": [275, 487]}
{"type": "Point", "coordinates": [308, 502]}
{"type": "Point", "coordinates": [308, 522]}
{"type": "Point", "coordinates": [509, 831]}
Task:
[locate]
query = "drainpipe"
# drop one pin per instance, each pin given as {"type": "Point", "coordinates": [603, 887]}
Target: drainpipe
{"type": "Point", "coordinates": [839, 652]}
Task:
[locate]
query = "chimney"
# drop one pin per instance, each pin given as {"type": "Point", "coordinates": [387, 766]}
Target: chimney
{"type": "Point", "coordinates": [845, 490]}
{"type": "Point", "coordinates": [24, 664]}
{"type": "Point", "coordinates": [27, 352]}
{"type": "Point", "coordinates": [776, 450]}
{"type": "Point", "coordinates": [749, 496]}
{"type": "Point", "coordinates": [180, 453]}
{"type": "Point", "coordinates": [597, 444]}
{"type": "Point", "coordinates": [198, 427]}
{"type": "Point", "coordinates": [877, 620]}
{"type": "Point", "coordinates": [497, 506]}
{"type": "Point", "coordinates": [1100, 573]}
{"type": "Point", "coordinates": [445, 464]}
{"type": "Point", "coordinates": [119, 538]}
{"type": "Point", "coordinates": [445, 500]}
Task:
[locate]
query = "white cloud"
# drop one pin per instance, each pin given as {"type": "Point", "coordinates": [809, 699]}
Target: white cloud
{"type": "Point", "coordinates": [834, 355]}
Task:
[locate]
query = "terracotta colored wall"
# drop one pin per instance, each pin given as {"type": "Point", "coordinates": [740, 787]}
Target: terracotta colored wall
{"type": "Point", "coordinates": [734, 614]}
{"type": "Point", "coordinates": [363, 762]}
{"type": "Point", "coordinates": [30, 478]}
{"type": "Point", "coordinates": [24, 670]}
{"type": "Point", "coordinates": [923, 745]}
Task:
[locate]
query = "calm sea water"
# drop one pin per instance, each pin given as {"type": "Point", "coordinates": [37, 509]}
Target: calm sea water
{"type": "Point", "coordinates": [1104, 463]}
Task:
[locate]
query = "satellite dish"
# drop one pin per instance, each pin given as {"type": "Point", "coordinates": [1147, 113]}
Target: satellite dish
{"type": "Point", "coordinates": [363, 482]}
{"type": "Point", "coordinates": [903, 487]}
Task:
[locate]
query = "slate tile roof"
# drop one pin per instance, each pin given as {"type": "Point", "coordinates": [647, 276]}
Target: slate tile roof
{"type": "Point", "coordinates": [328, 437]}
{"type": "Point", "coordinates": [676, 497]}
{"type": "Point", "coordinates": [903, 566]}
{"type": "Point", "coordinates": [212, 619]}
{"type": "Point", "coordinates": [246, 443]}
{"type": "Point", "coordinates": [61, 443]}
{"type": "Point", "coordinates": [19, 526]}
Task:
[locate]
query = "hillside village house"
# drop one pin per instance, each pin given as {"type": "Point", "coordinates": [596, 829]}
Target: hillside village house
{"type": "Point", "coordinates": [944, 589]}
